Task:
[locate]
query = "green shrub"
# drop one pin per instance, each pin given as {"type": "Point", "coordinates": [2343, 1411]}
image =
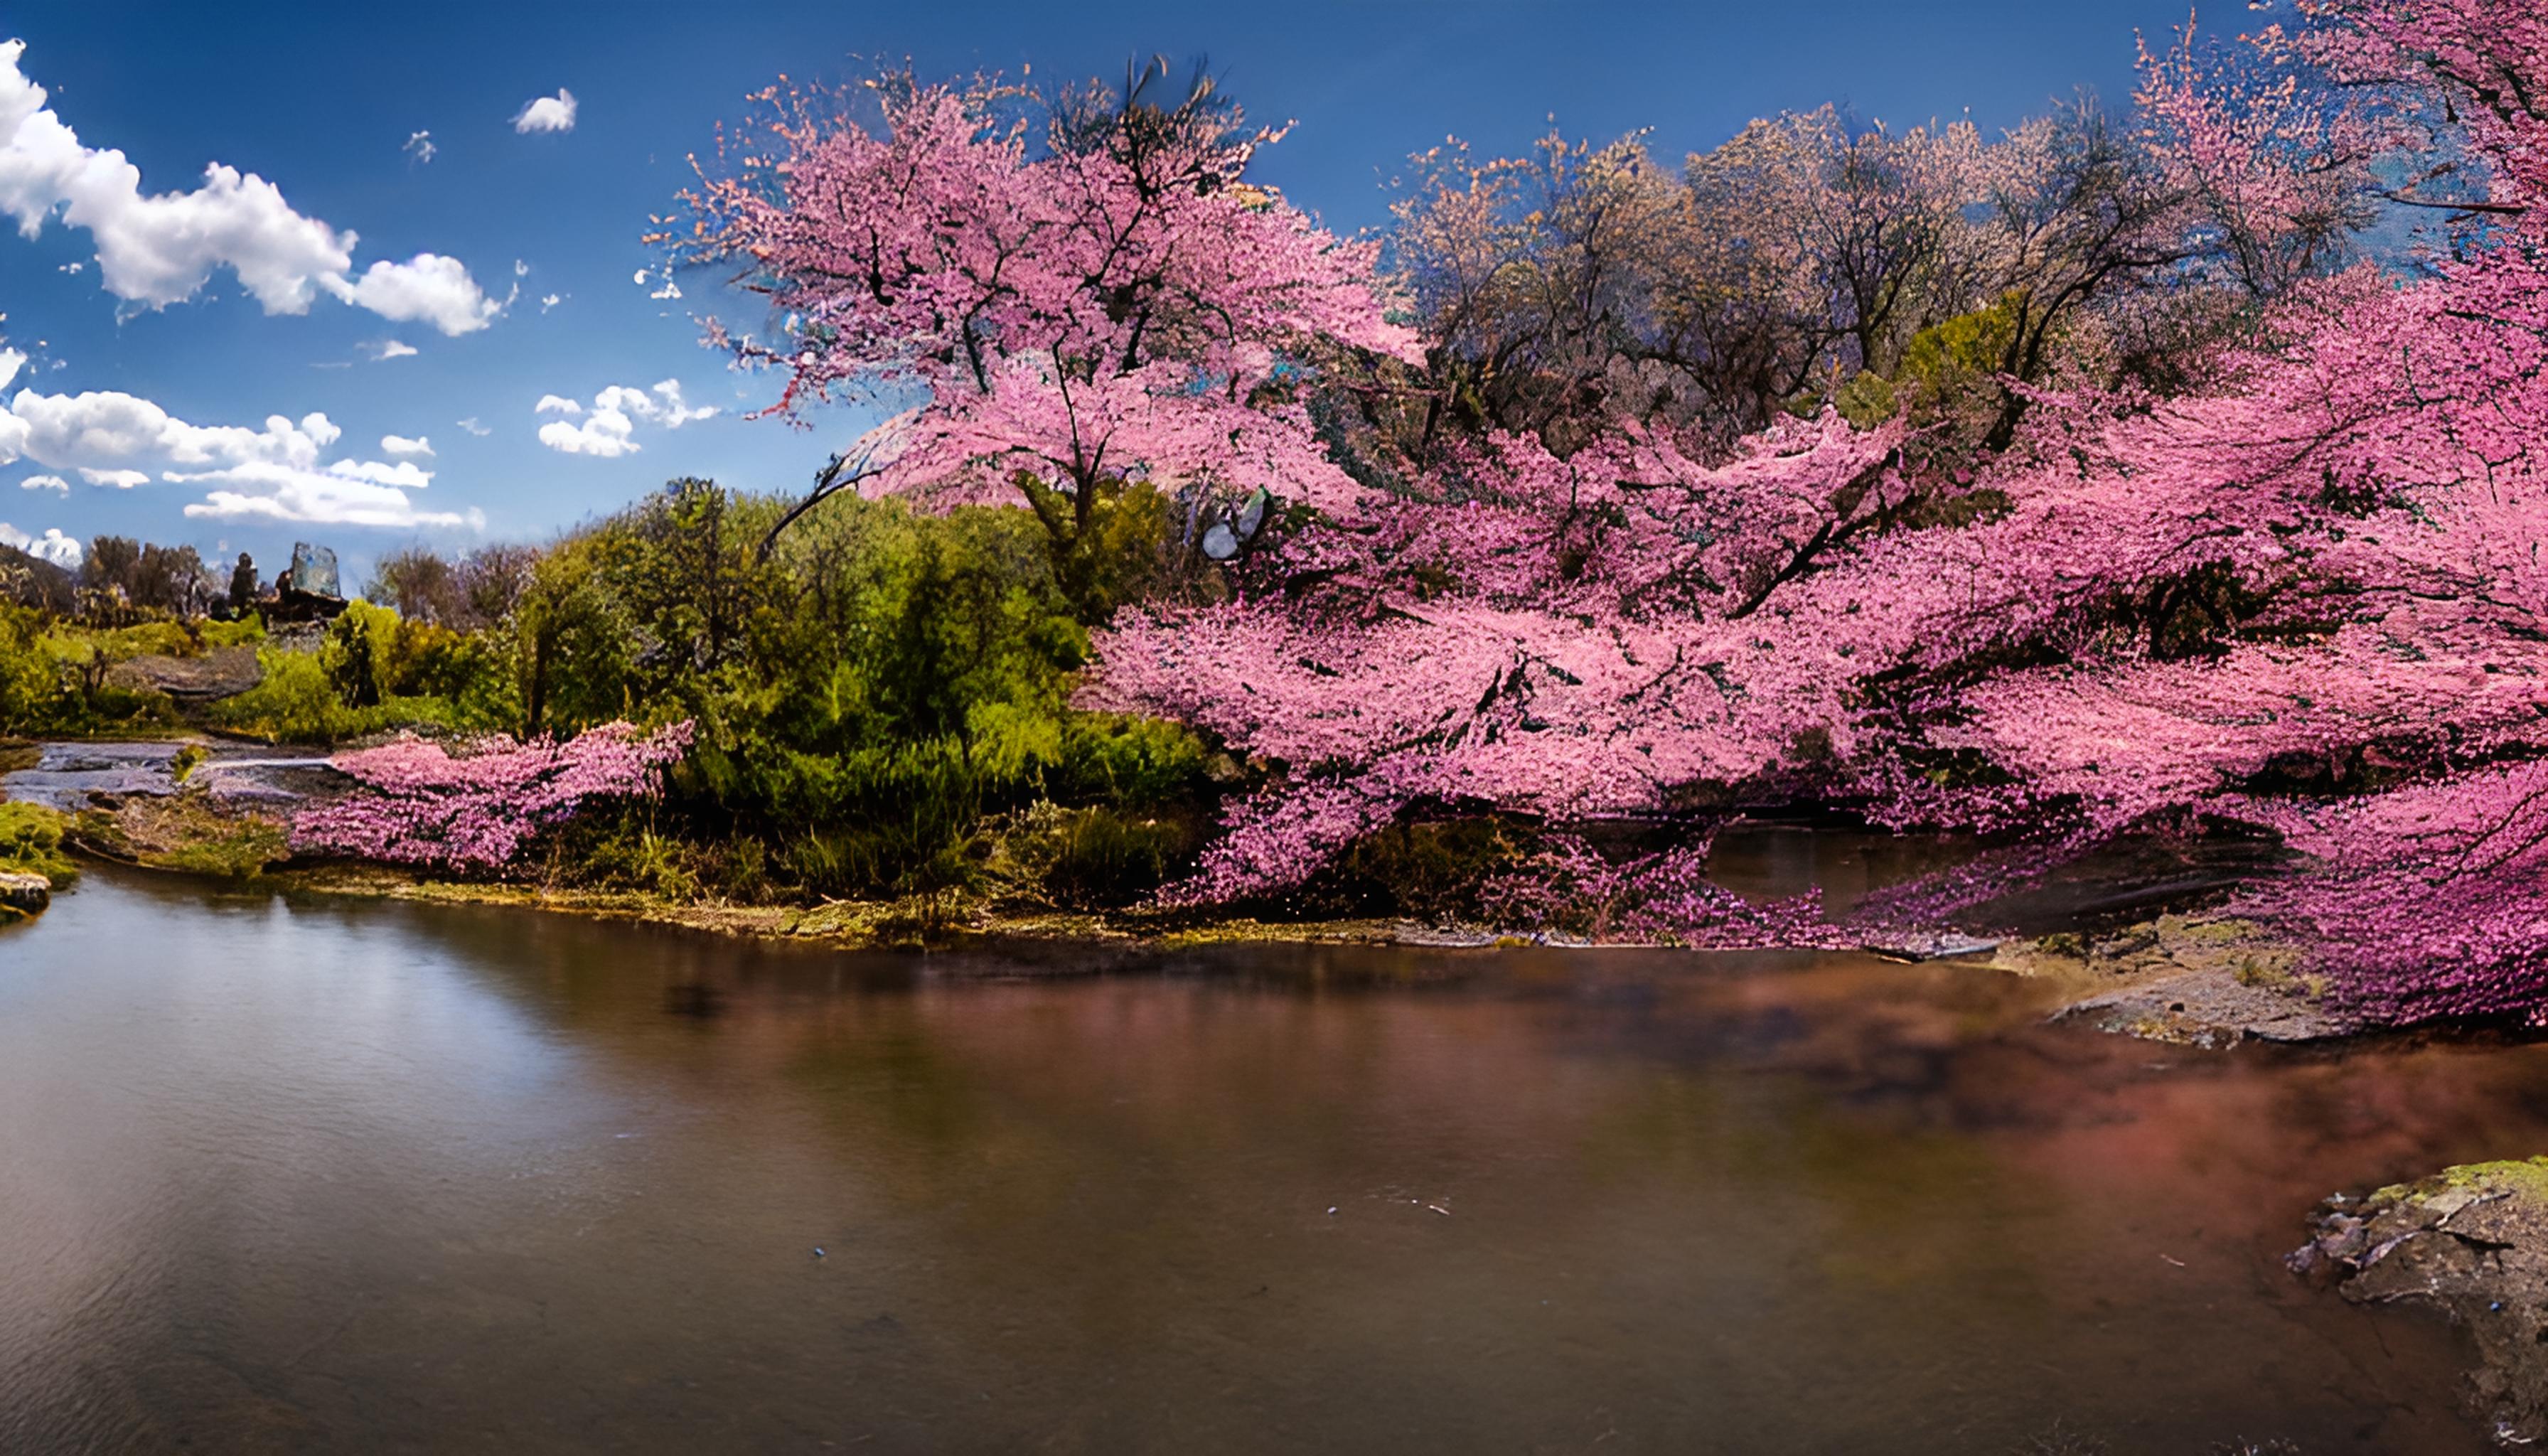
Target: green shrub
{"type": "Point", "coordinates": [1091, 858]}
{"type": "Point", "coordinates": [297, 702]}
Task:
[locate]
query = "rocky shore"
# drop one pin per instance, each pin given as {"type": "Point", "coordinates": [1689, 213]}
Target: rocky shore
{"type": "Point", "coordinates": [2472, 1242]}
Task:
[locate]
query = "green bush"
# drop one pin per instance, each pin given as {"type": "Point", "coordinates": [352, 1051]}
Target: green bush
{"type": "Point", "coordinates": [880, 695]}
{"type": "Point", "coordinates": [53, 677]}
{"type": "Point", "coordinates": [298, 701]}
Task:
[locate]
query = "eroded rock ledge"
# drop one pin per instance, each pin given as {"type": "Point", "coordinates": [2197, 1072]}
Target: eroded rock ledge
{"type": "Point", "coordinates": [2472, 1241]}
{"type": "Point", "coordinates": [23, 897]}
{"type": "Point", "coordinates": [2201, 982]}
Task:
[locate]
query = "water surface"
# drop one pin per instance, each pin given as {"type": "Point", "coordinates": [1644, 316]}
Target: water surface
{"type": "Point", "coordinates": [321, 1176]}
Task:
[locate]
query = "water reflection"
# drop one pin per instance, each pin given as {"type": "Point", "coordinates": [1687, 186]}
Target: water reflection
{"type": "Point", "coordinates": [330, 1176]}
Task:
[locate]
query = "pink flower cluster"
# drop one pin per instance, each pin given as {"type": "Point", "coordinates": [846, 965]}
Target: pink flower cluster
{"type": "Point", "coordinates": [420, 804]}
{"type": "Point", "coordinates": [2425, 901]}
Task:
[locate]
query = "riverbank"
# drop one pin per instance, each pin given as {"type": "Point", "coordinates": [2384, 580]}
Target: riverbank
{"type": "Point", "coordinates": [220, 810]}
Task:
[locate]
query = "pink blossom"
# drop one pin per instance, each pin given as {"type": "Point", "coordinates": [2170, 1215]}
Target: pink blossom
{"type": "Point", "coordinates": [420, 804]}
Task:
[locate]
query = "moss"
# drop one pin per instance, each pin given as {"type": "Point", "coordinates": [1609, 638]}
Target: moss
{"type": "Point", "coordinates": [2175, 929]}
{"type": "Point", "coordinates": [2267, 971]}
{"type": "Point", "coordinates": [240, 852]}
{"type": "Point", "coordinates": [2522, 1178]}
{"type": "Point", "coordinates": [187, 834]}
{"type": "Point", "coordinates": [30, 843]}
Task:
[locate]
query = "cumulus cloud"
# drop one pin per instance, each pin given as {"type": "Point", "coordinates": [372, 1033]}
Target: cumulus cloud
{"type": "Point", "coordinates": [471, 425]}
{"type": "Point", "coordinates": [607, 429]}
{"type": "Point", "coordinates": [62, 551]}
{"type": "Point", "coordinates": [547, 113]}
{"type": "Point", "coordinates": [402, 445]}
{"type": "Point", "coordinates": [44, 482]}
{"type": "Point", "coordinates": [427, 288]}
{"type": "Point", "coordinates": [161, 248]}
{"type": "Point", "coordinates": [419, 146]}
{"type": "Point", "coordinates": [389, 348]}
{"type": "Point", "coordinates": [278, 473]}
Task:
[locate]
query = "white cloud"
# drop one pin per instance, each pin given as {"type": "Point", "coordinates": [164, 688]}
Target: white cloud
{"type": "Point", "coordinates": [402, 445]}
{"type": "Point", "coordinates": [389, 348]}
{"type": "Point", "coordinates": [161, 248]}
{"type": "Point", "coordinates": [62, 551]}
{"type": "Point", "coordinates": [471, 425]}
{"type": "Point", "coordinates": [428, 287]}
{"type": "Point", "coordinates": [547, 113]}
{"type": "Point", "coordinates": [44, 482]}
{"type": "Point", "coordinates": [275, 473]}
{"type": "Point", "coordinates": [337, 494]}
{"type": "Point", "coordinates": [608, 430]}
{"type": "Point", "coordinates": [419, 146]}
{"type": "Point", "coordinates": [551, 301]}
{"type": "Point", "coordinates": [606, 434]}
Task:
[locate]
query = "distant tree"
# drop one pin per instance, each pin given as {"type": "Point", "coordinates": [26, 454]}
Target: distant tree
{"type": "Point", "coordinates": [243, 584]}
{"type": "Point", "coordinates": [419, 582]}
{"type": "Point", "coordinates": [113, 565]}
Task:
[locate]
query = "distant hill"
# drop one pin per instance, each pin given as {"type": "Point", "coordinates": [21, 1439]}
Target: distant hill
{"type": "Point", "coordinates": [32, 580]}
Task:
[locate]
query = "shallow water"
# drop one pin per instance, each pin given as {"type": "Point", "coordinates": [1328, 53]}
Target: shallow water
{"type": "Point", "coordinates": [323, 1175]}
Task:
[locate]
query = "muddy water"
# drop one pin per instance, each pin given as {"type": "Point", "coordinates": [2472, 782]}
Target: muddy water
{"type": "Point", "coordinates": [329, 1177]}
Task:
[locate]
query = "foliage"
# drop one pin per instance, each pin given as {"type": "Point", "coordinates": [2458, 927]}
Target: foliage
{"type": "Point", "coordinates": [870, 696]}
{"type": "Point", "coordinates": [53, 674]}
{"type": "Point", "coordinates": [297, 700]}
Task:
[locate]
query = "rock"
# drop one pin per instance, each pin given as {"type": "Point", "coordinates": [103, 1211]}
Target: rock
{"type": "Point", "coordinates": [2472, 1241]}
{"type": "Point", "coordinates": [2198, 982]}
{"type": "Point", "coordinates": [1931, 946]}
{"type": "Point", "coordinates": [222, 673]}
{"type": "Point", "coordinates": [24, 894]}
{"type": "Point", "coordinates": [314, 570]}
{"type": "Point", "coordinates": [65, 775]}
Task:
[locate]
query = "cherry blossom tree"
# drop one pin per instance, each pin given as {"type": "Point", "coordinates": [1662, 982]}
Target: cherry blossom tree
{"type": "Point", "coordinates": [2306, 596]}
{"type": "Point", "coordinates": [1083, 293]}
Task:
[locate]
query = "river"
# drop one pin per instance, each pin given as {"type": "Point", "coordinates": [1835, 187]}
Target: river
{"type": "Point", "coordinates": [283, 1174]}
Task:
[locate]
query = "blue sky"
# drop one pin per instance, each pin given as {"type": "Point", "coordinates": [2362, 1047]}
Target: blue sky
{"type": "Point", "coordinates": [502, 271]}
